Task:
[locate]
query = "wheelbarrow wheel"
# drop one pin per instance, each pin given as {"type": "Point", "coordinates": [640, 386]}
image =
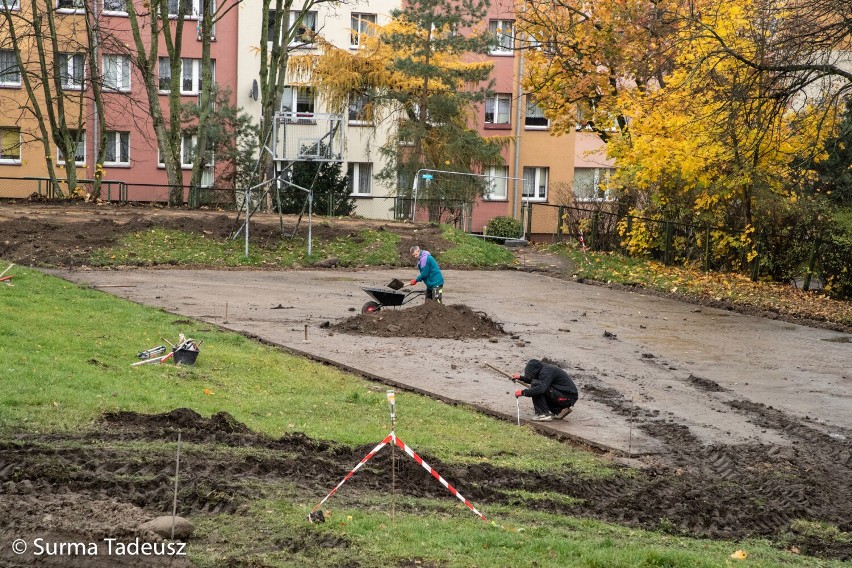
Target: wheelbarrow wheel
{"type": "Point", "coordinates": [371, 307]}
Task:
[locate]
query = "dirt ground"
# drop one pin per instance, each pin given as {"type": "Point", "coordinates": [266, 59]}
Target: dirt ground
{"type": "Point", "coordinates": [733, 425]}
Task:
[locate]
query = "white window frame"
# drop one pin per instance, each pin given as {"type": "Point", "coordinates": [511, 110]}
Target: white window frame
{"type": "Point", "coordinates": [360, 178]}
{"type": "Point", "coordinates": [194, 75]}
{"type": "Point", "coordinates": [501, 106]}
{"type": "Point", "coordinates": [81, 144]}
{"type": "Point", "coordinates": [504, 43]}
{"type": "Point", "coordinates": [118, 140]}
{"type": "Point", "coordinates": [74, 6]}
{"type": "Point", "coordinates": [122, 73]}
{"type": "Point", "coordinates": [538, 191]}
{"type": "Point", "coordinates": [309, 22]}
{"type": "Point", "coordinates": [293, 96]}
{"type": "Point", "coordinates": [188, 146]}
{"type": "Point", "coordinates": [12, 5]}
{"type": "Point", "coordinates": [10, 159]}
{"type": "Point", "coordinates": [69, 63]}
{"type": "Point", "coordinates": [108, 7]}
{"type": "Point", "coordinates": [535, 112]}
{"type": "Point", "coordinates": [4, 82]}
{"type": "Point", "coordinates": [600, 177]}
{"type": "Point", "coordinates": [194, 13]}
{"type": "Point", "coordinates": [498, 183]}
{"type": "Point", "coordinates": [362, 26]}
{"type": "Point", "coordinates": [163, 64]}
{"type": "Point", "coordinates": [193, 66]}
{"type": "Point", "coordinates": [357, 113]}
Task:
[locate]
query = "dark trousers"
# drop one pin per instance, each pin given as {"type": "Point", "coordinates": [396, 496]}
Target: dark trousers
{"type": "Point", "coordinates": [552, 402]}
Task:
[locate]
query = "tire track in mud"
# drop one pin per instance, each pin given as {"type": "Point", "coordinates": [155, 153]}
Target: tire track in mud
{"type": "Point", "coordinates": [733, 490]}
{"type": "Point", "coordinates": [720, 491]}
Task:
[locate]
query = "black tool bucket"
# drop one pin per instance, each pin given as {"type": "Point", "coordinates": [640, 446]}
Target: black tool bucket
{"type": "Point", "coordinates": [184, 356]}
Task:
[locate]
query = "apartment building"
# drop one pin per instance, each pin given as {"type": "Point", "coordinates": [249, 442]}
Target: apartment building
{"type": "Point", "coordinates": [132, 156]}
{"type": "Point", "coordinates": [344, 26]}
{"type": "Point", "coordinates": [537, 168]}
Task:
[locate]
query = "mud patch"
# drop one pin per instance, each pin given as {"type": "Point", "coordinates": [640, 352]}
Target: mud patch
{"type": "Point", "coordinates": [429, 319]}
{"type": "Point", "coordinates": [86, 485]}
{"type": "Point", "coordinates": [705, 384]}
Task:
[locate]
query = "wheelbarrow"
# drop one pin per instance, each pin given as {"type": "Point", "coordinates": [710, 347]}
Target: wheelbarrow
{"type": "Point", "coordinates": [383, 297]}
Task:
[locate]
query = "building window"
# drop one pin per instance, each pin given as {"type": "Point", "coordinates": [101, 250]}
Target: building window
{"type": "Point", "coordinates": [117, 72]}
{"type": "Point", "coordinates": [360, 178]}
{"type": "Point", "coordinates": [304, 33]}
{"type": "Point", "coordinates": [535, 184]}
{"type": "Point", "coordinates": [535, 115]}
{"type": "Point", "coordinates": [165, 74]}
{"type": "Point", "coordinates": [299, 100]}
{"type": "Point", "coordinates": [188, 144]}
{"type": "Point", "coordinates": [360, 108]}
{"type": "Point", "coordinates": [10, 145]}
{"type": "Point", "coordinates": [10, 73]}
{"type": "Point", "coordinates": [497, 180]}
{"type": "Point", "coordinates": [192, 8]}
{"type": "Point", "coordinates": [117, 148]}
{"type": "Point", "coordinates": [498, 109]}
{"type": "Point", "coordinates": [363, 25]}
{"type": "Point", "coordinates": [115, 6]}
{"type": "Point", "coordinates": [503, 36]}
{"type": "Point", "coordinates": [11, 5]}
{"type": "Point", "coordinates": [190, 71]}
{"type": "Point", "coordinates": [71, 70]}
{"type": "Point", "coordinates": [69, 4]}
{"type": "Point", "coordinates": [80, 151]}
{"type": "Point", "coordinates": [592, 184]}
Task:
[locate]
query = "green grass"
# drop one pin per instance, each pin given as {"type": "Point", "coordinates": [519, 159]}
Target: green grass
{"type": "Point", "coordinates": [471, 251]}
{"type": "Point", "coordinates": [163, 246]}
{"type": "Point", "coordinates": [437, 533]}
{"type": "Point", "coordinates": [368, 247]}
{"type": "Point", "coordinates": [65, 355]}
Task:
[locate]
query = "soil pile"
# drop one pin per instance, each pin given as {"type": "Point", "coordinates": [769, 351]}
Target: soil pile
{"type": "Point", "coordinates": [64, 234]}
{"type": "Point", "coordinates": [429, 319]}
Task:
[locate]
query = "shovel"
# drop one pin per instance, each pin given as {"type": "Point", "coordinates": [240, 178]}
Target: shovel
{"type": "Point", "coordinates": [396, 284]}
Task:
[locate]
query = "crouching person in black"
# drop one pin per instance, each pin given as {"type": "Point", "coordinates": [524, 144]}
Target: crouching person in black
{"type": "Point", "coordinates": [552, 391]}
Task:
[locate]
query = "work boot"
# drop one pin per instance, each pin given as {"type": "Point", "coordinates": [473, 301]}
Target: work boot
{"type": "Point", "coordinates": [564, 412]}
{"type": "Point", "coordinates": [542, 418]}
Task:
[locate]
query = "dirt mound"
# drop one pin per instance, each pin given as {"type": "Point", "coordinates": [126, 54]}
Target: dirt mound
{"type": "Point", "coordinates": [65, 234]}
{"type": "Point", "coordinates": [429, 319]}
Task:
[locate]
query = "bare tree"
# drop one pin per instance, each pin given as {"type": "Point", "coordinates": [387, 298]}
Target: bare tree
{"type": "Point", "coordinates": [51, 50]}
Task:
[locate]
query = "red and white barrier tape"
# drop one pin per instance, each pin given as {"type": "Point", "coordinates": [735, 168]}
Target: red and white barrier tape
{"type": "Point", "coordinates": [367, 458]}
{"type": "Point", "coordinates": [404, 447]}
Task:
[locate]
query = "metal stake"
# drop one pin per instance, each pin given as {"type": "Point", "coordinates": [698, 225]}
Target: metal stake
{"type": "Point", "coordinates": [392, 401]}
{"type": "Point", "coordinates": [174, 502]}
{"type": "Point", "coordinates": [518, 405]}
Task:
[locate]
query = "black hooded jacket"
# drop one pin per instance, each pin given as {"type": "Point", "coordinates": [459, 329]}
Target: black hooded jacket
{"type": "Point", "coordinates": [542, 376]}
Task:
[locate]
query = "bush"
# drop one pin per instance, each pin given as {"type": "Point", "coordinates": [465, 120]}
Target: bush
{"type": "Point", "coordinates": [504, 227]}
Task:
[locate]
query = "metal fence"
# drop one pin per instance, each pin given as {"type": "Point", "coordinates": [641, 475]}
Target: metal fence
{"type": "Point", "coordinates": [808, 263]}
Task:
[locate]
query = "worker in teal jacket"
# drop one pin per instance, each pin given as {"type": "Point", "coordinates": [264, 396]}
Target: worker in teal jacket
{"type": "Point", "coordinates": [430, 274]}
